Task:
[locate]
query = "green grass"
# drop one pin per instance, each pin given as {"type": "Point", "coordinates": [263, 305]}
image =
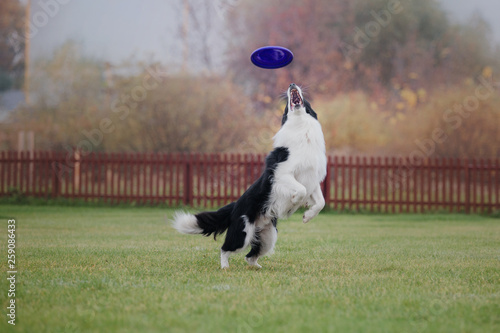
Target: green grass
{"type": "Point", "coordinates": [94, 269]}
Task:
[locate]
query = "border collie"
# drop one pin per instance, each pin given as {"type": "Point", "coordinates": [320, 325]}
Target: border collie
{"type": "Point", "coordinates": [291, 179]}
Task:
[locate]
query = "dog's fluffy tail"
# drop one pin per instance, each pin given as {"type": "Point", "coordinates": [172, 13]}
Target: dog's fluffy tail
{"type": "Point", "coordinates": [205, 223]}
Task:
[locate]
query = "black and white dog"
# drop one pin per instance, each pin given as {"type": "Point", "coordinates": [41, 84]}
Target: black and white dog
{"type": "Point", "coordinates": [291, 179]}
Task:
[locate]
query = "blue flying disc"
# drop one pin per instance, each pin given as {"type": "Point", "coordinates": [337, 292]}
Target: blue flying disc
{"type": "Point", "coordinates": [271, 57]}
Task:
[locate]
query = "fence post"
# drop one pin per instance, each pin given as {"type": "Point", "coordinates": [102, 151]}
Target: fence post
{"type": "Point", "coordinates": [326, 184]}
{"type": "Point", "coordinates": [467, 187]}
{"type": "Point", "coordinates": [55, 177]}
{"type": "Point", "coordinates": [188, 181]}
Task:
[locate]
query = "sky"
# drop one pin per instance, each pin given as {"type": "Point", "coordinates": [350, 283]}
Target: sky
{"type": "Point", "coordinates": [462, 9]}
{"type": "Point", "coordinates": [116, 30]}
{"type": "Point", "coordinates": [112, 29]}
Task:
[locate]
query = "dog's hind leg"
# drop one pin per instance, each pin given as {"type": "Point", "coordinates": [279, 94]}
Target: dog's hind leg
{"type": "Point", "coordinates": [224, 259]}
{"type": "Point", "coordinates": [239, 236]}
{"type": "Point", "coordinates": [253, 256]}
{"type": "Point", "coordinates": [263, 244]}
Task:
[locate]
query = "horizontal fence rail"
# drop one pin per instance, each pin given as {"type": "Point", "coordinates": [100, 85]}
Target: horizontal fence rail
{"type": "Point", "coordinates": [212, 180]}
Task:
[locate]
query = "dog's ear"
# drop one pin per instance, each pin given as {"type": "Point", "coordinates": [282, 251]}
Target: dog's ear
{"type": "Point", "coordinates": [310, 110]}
{"type": "Point", "coordinates": [285, 115]}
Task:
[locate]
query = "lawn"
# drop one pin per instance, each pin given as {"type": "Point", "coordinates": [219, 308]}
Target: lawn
{"type": "Point", "coordinates": [83, 269]}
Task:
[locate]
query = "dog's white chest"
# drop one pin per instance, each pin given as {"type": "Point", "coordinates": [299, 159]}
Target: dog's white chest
{"type": "Point", "coordinates": [303, 137]}
{"type": "Point", "coordinates": [306, 163]}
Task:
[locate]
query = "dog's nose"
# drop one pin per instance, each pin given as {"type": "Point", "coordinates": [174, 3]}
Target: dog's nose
{"type": "Point", "coordinates": [293, 85]}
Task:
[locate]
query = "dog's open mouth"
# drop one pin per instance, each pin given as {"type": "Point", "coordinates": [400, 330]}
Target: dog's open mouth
{"type": "Point", "coordinates": [296, 100]}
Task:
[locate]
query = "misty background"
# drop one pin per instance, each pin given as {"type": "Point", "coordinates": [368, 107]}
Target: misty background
{"type": "Point", "coordinates": [115, 30]}
{"type": "Point", "coordinates": [383, 92]}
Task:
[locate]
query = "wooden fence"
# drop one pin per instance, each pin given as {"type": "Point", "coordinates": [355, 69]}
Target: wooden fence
{"type": "Point", "coordinates": [212, 180]}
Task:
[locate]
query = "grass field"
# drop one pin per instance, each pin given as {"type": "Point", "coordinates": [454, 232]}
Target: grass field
{"type": "Point", "coordinates": [83, 269]}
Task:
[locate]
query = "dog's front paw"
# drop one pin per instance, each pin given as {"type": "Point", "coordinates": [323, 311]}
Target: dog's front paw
{"type": "Point", "coordinates": [308, 216]}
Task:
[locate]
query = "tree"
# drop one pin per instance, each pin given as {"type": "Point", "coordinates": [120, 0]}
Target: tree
{"type": "Point", "coordinates": [199, 33]}
{"type": "Point", "coordinates": [11, 49]}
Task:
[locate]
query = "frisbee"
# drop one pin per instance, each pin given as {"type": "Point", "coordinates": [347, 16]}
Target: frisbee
{"type": "Point", "coordinates": [271, 57]}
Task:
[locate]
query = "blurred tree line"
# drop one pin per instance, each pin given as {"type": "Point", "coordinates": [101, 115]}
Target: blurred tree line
{"type": "Point", "coordinates": [385, 76]}
{"type": "Point", "coordinates": [374, 46]}
{"type": "Point", "coordinates": [86, 104]}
